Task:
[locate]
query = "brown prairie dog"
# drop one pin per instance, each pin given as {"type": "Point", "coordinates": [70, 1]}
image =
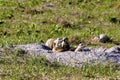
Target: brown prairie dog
{"type": "Point", "coordinates": [59, 44]}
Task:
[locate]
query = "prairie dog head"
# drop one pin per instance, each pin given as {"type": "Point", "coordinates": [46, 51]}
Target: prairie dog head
{"type": "Point", "coordinates": [56, 42]}
{"type": "Point", "coordinates": [61, 44]}
{"type": "Point", "coordinates": [65, 42]}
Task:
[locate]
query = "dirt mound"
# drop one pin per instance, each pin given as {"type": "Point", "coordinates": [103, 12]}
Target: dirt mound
{"type": "Point", "coordinates": [87, 55]}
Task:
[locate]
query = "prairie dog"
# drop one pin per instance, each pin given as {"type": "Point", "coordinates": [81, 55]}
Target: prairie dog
{"type": "Point", "coordinates": [61, 44]}
{"type": "Point", "coordinates": [58, 45]}
{"type": "Point", "coordinates": [80, 47]}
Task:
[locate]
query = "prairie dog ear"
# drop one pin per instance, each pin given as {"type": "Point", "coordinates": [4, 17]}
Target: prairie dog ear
{"type": "Point", "coordinates": [57, 40]}
{"type": "Point", "coordinates": [65, 38]}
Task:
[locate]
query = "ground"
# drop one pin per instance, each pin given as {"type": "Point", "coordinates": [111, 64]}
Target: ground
{"type": "Point", "coordinates": [34, 21]}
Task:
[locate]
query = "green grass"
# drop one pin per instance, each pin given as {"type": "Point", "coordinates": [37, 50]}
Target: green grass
{"type": "Point", "coordinates": [18, 65]}
{"type": "Point", "coordinates": [23, 22]}
{"type": "Point", "coordinates": [34, 21]}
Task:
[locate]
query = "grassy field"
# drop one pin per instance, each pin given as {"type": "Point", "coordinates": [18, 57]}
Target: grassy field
{"type": "Point", "coordinates": [34, 21]}
{"type": "Point", "coordinates": [19, 66]}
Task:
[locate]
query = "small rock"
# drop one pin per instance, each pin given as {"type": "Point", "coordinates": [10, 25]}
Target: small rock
{"type": "Point", "coordinates": [104, 38]}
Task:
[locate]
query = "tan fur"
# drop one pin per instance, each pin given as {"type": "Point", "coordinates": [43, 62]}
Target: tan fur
{"type": "Point", "coordinates": [59, 44]}
{"type": "Point", "coordinates": [50, 43]}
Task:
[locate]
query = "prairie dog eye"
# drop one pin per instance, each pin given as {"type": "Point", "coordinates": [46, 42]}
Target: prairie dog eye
{"type": "Point", "coordinates": [58, 45]}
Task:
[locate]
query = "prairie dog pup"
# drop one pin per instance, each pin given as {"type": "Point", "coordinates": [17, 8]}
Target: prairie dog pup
{"type": "Point", "coordinates": [80, 47]}
{"type": "Point", "coordinates": [50, 43]}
